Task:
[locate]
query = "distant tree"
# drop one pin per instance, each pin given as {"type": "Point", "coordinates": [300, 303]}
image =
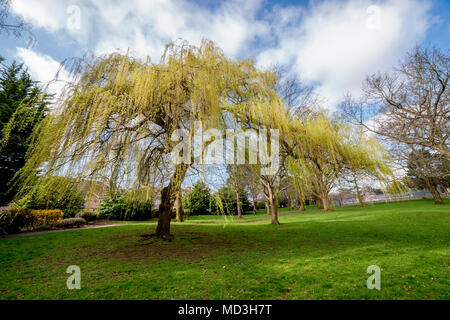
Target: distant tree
{"type": "Point", "coordinates": [325, 150]}
{"type": "Point", "coordinates": [271, 185]}
{"type": "Point", "coordinates": [253, 185]}
{"type": "Point", "coordinates": [410, 105]}
{"type": "Point", "coordinates": [22, 107]}
{"type": "Point", "coordinates": [237, 182]}
{"type": "Point", "coordinates": [197, 201]}
{"type": "Point", "coordinates": [131, 204]}
{"type": "Point", "coordinates": [377, 191]}
{"type": "Point", "coordinates": [225, 201]}
{"type": "Point", "coordinates": [428, 170]}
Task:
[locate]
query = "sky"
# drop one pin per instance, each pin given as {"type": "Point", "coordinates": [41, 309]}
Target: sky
{"type": "Point", "coordinates": [331, 44]}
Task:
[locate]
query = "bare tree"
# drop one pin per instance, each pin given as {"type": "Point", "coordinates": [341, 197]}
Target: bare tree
{"type": "Point", "coordinates": [428, 170]}
{"type": "Point", "coordinates": [299, 97]}
{"type": "Point", "coordinates": [253, 185]}
{"type": "Point", "coordinates": [410, 105]}
{"type": "Point", "coordinates": [236, 179]}
{"type": "Point", "coordinates": [8, 27]}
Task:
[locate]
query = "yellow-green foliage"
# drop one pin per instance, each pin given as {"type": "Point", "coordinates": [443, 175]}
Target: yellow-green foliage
{"type": "Point", "coordinates": [16, 220]}
{"type": "Point", "coordinates": [54, 192]}
{"type": "Point", "coordinates": [48, 218]}
{"type": "Point", "coordinates": [117, 118]}
{"type": "Point", "coordinates": [118, 115]}
{"type": "Point", "coordinates": [323, 149]}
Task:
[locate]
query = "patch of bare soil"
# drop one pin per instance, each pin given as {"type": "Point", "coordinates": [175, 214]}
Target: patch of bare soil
{"type": "Point", "coordinates": [192, 246]}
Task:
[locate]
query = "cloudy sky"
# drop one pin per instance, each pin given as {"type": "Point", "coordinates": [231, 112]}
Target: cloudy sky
{"type": "Point", "coordinates": [332, 44]}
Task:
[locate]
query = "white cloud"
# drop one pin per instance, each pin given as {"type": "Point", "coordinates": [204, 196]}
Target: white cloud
{"type": "Point", "coordinates": [337, 43]}
{"type": "Point", "coordinates": [146, 26]}
{"type": "Point", "coordinates": [44, 69]}
{"type": "Point", "coordinates": [38, 13]}
{"type": "Point", "coordinates": [331, 43]}
{"type": "Point", "coordinates": [73, 18]}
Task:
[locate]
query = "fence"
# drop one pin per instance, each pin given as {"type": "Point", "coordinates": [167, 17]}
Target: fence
{"type": "Point", "coordinates": [373, 198]}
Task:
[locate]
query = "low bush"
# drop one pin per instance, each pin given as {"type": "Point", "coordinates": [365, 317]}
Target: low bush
{"type": "Point", "coordinates": [260, 205]}
{"type": "Point", "coordinates": [155, 213]}
{"type": "Point", "coordinates": [55, 192]}
{"type": "Point", "coordinates": [72, 222]}
{"type": "Point", "coordinates": [86, 215]}
{"type": "Point", "coordinates": [18, 220]}
{"type": "Point", "coordinates": [197, 201]}
{"type": "Point", "coordinates": [122, 206]}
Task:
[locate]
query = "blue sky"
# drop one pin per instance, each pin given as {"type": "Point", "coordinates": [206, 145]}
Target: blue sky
{"type": "Point", "coordinates": [332, 44]}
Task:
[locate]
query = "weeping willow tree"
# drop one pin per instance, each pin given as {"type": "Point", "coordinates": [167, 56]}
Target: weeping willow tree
{"type": "Point", "coordinates": [325, 149]}
{"type": "Point", "coordinates": [118, 116]}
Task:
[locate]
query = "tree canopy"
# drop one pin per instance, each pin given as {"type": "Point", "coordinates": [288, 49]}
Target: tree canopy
{"type": "Point", "coordinates": [22, 107]}
{"type": "Point", "coordinates": [117, 117]}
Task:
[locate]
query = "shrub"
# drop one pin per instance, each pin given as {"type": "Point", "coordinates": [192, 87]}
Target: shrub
{"type": "Point", "coordinates": [260, 205]}
{"type": "Point", "coordinates": [17, 219]}
{"type": "Point", "coordinates": [86, 215]}
{"type": "Point", "coordinates": [55, 192]}
{"type": "Point", "coordinates": [72, 222]}
{"type": "Point", "coordinates": [155, 213]}
{"type": "Point", "coordinates": [125, 206]}
{"type": "Point", "coordinates": [197, 201]}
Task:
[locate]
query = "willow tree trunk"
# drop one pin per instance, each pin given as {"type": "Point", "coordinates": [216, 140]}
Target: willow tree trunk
{"type": "Point", "coordinates": [301, 202]}
{"type": "Point", "coordinates": [358, 194]}
{"type": "Point", "coordinates": [319, 202]}
{"type": "Point", "coordinates": [434, 192]}
{"type": "Point", "coordinates": [325, 201]}
{"type": "Point", "coordinates": [268, 207]}
{"type": "Point", "coordinates": [179, 208]}
{"type": "Point", "coordinates": [168, 195]}
{"type": "Point", "coordinates": [238, 205]}
{"type": "Point", "coordinates": [302, 205]}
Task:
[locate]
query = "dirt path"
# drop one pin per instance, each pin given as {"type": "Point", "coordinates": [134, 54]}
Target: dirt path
{"type": "Point", "coordinates": [70, 229]}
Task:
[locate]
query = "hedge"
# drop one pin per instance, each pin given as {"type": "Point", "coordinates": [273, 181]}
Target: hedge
{"type": "Point", "coordinates": [19, 220]}
{"type": "Point", "coordinates": [72, 222]}
{"type": "Point", "coordinates": [86, 215]}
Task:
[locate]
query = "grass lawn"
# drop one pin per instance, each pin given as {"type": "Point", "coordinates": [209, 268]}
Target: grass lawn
{"type": "Point", "coordinates": [312, 255]}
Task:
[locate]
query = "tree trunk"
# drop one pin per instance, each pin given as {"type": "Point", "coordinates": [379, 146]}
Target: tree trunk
{"type": "Point", "coordinates": [268, 207]}
{"type": "Point", "coordinates": [301, 202]}
{"type": "Point", "coordinates": [168, 195]}
{"type": "Point", "coordinates": [302, 205]}
{"type": "Point", "coordinates": [360, 199]}
{"type": "Point", "coordinates": [274, 212]}
{"type": "Point", "coordinates": [273, 208]}
{"type": "Point", "coordinates": [238, 205]}
{"type": "Point", "coordinates": [325, 201]}
{"type": "Point", "coordinates": [358, 194]}
{"type": "Point", "coordinates": [319, 202]}
{"type": "Point", "coordinates": [179, 207]}
{"type": "Point", "coordinates": [434, 192]}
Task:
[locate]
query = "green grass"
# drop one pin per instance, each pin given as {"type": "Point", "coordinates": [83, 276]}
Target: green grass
{"type": "Point", "coordinates": [312, 255]}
